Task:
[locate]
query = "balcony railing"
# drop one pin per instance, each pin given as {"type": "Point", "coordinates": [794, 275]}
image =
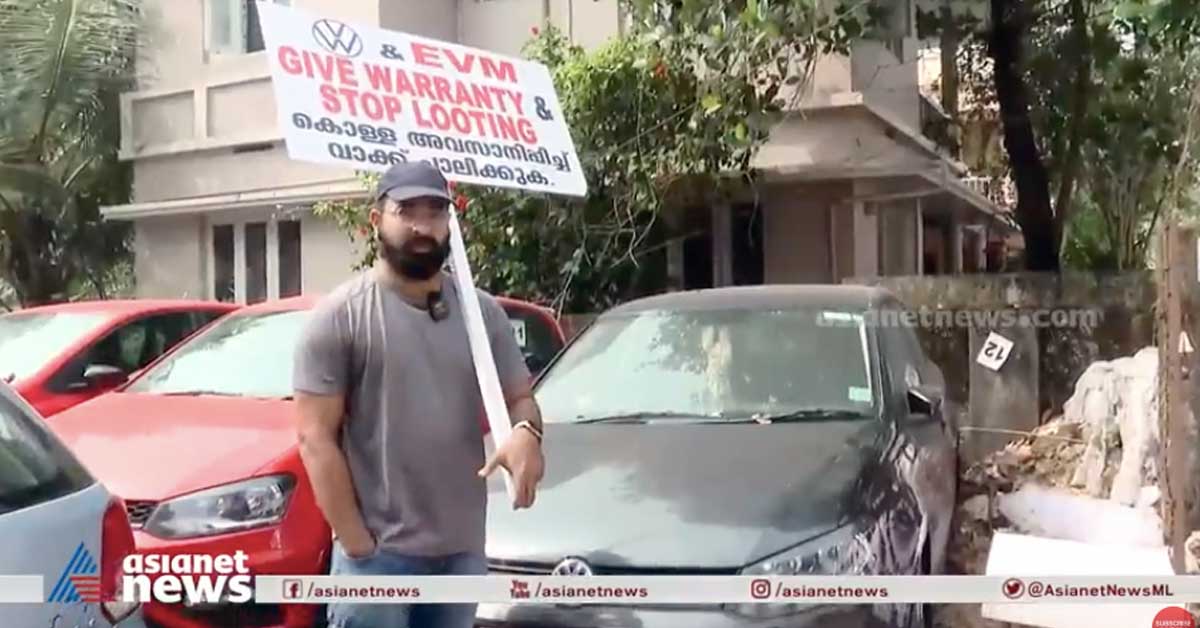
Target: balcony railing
{"type": "Point", "coordinates": [999, 190]}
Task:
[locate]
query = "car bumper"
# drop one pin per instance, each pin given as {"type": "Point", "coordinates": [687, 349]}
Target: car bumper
{"type": "Point", "coordinates": [540, 616]}
{"type": "Point", "coordinates": [135, 620]}
{"type": "Point", "coordinates": [269, 553]}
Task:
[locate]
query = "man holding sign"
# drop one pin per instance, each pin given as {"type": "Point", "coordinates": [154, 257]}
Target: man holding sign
{"type": "Point", "coordinates": [388, 410]}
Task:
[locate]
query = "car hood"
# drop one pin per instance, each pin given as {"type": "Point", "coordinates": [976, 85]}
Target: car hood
{"type": "Point", "coordinates": [154, 447]}
{"type": "Point", "coordinates": [683, 496]}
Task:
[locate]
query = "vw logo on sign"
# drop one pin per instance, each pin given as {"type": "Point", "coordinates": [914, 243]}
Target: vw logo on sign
{"type": "Point", "coordinates": [572, 567]}
{"type": "Point", "coordinates": [337, 38]}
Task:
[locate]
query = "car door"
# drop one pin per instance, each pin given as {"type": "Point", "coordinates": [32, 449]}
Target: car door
{"type": "Point", "coordinates": [50, 508]}
{"type": "Point", "coordinates": [925, 453]}
{"type": "Point", "coordinates": [126, 349]}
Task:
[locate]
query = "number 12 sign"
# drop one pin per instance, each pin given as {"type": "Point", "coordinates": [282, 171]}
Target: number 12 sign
{"type": "Point", "coordinates": [995, 351]}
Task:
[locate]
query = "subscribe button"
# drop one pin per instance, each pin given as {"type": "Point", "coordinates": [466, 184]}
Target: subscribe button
{"type": "Point", "coordinates": [1173, 617]}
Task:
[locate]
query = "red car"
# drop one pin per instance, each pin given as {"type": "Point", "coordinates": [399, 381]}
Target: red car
{"type": "Point", "coordinates": [202, 448]}
{"type": "Point", "coordinates": [57, 356]}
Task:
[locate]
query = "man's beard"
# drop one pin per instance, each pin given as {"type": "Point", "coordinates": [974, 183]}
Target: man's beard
{"type": "Point", "coordinates": [409, 262]}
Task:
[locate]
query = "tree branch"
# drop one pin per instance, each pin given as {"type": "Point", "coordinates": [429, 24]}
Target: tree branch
{"type": "Point", "coordinates": [1034, 211]}
{"type": "Point", "coordinates": [1073, 157]}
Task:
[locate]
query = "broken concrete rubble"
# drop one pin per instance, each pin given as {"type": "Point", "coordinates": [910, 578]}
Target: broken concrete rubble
{"type": "Point", "coordinates": [1058, 514]}
{"type": "Point", "coordinates": [1116, 402]}
{"type": "Point", "coordinates": [1104, 446]}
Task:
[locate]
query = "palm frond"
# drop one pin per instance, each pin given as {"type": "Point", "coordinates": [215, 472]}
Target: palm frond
{"type": "Point", "coordinates": [18, 180]}
{"type": "Point", "coordinates": [59, 57]}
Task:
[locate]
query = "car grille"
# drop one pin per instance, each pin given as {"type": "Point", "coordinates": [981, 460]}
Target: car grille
{"type": "Point", "coordinates": [504, 567]}
{"type": "Point", "coordinates": [139, 511]}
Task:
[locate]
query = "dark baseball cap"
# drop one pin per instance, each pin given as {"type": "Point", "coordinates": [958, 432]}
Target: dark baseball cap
{"type": "Point", "coordinates": [406, 181]}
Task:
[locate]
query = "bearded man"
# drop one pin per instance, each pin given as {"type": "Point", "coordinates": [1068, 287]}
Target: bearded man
{"type": "Point", "coordinates": [388, 411]}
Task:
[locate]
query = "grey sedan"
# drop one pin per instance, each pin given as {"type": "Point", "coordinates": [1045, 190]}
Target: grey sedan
{"type": "Point", "coordinates": [784, 430]}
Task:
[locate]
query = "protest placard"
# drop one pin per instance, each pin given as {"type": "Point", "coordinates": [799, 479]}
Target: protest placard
{"type": "Point", "coordinates": [367, 98]}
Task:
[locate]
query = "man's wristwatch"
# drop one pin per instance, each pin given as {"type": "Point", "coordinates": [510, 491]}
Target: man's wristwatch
{"type": "Point", "coordinates": [527, 425]}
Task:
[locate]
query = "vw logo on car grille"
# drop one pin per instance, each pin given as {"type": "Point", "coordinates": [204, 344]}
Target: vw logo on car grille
{"type": "Point", "coordinates": [337, 38]}
{"type": "Point", "coordinates": [572, 567]}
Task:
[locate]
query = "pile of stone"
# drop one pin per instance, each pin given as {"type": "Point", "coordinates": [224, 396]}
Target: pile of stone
{"type": "Point", "coordinates": [1104, 445]}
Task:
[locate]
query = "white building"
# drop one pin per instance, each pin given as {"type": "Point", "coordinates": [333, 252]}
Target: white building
{"type": "Point", "coordinates": [854, 187]}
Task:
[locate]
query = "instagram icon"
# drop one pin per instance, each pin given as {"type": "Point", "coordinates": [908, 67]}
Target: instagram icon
{"type": "Point", "coordinates": [760, 589]}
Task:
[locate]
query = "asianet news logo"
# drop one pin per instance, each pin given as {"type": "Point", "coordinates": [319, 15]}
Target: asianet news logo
{"type": "Point", "coordinates": [188, 578]}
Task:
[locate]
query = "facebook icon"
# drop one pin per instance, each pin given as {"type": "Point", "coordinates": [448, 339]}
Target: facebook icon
{"type": "Point", "coordinates": [291, 589]}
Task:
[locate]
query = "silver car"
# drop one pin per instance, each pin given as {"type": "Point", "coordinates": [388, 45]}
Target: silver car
{"type": "Point", "coordinates": [57, 521]}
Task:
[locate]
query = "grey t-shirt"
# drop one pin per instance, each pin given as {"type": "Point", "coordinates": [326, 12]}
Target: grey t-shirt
{"type": "Point", "coordinates": [413, 434]}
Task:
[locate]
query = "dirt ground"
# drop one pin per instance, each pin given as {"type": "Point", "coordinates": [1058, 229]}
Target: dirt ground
{"type": "Point", "coordinates": [1047, 457]}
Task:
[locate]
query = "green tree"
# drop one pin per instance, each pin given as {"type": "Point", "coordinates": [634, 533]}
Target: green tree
{"type": "Point", "coordinates": [64, 65]}
{"type": "Point", "coordinates": [1071, 82]}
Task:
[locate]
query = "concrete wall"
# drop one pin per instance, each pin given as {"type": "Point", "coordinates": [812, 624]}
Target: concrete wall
{"type": "Point", "coordinates": [169, 257]}
{"type": "Point", "coordinates": [500, 25]}
{"type": "Point", "coordinates": [431, 18]}
{"type": "Point", "coordinates": [888, 82]}
{"type": "Point", "coordinates": [831, 76]}
{"type": "Point", "coordinates": [222, 172]}
{"type": "Point", "coordinates": [328, 257]}
{"type": "Point", "coordinates": [1120, 323]}
{"type": "Point", "coordinates": [797, 232]}
{"type": "Point", "coordinates": [898, 229]}
{"type": "Point", "coordinates": [832, 142]}
{"type": "Point", "coordinates": [589, 23]}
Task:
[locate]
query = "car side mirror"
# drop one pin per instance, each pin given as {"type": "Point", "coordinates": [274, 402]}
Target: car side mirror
{"type": "Point", "coordinates": [535, 363]}
{"type": "Point", "coordinates": [100, 377]}
{"type": "Point", "coordinates": [924, 402]}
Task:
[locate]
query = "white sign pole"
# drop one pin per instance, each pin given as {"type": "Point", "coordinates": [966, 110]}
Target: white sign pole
{"type": "Point", "coordinates": [481, 349]}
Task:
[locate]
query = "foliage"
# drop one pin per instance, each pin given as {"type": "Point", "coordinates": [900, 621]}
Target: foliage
{"type": "Point", "coordinates": [664, 116]}
{"type": "Point", "coordinates": [1106, 90]}
{"type": "Point", "coordinates": [1134, 145]}
{"type": "Point", "coordinates": [65, 64]}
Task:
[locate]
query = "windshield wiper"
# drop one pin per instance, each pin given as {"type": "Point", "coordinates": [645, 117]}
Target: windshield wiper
{"type": "Point", "coordinates": [797, 416]}
{"type": "Point", "coordinates": [199, 393]}
{"type": "Point", "coordinates": [641, 417]}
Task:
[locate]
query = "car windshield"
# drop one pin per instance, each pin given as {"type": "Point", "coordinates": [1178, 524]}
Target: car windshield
{"type": "Point", "coordinates": [28, 341]}
{"type": "Point", "coordinates": [725, 364]}
{"type": "Point", "coordinates": [246, 355]}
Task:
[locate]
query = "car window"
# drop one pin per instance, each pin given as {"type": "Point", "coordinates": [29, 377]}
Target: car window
{"type": "Point", "coordinates": [245, 355]}
{"type": "Point", "coordinates": [30, 340]}
{"type": "Point", "coordinates": [904, 359]}
{"type": "Point", "coordinates": [539, 341]}
{"type": "Point", "coordinates": [711, 363]}
{"type": "Point", "coordinates": [134, 345]}
{"type": "Point", "coordinates": [34, 466]}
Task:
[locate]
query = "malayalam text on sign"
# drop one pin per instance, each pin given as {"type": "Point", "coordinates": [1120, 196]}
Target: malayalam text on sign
{"type": "Point", "coordinates": [368, 98]}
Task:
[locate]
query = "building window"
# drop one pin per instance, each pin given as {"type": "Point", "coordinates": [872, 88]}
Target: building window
{"type": "Point", "coordinates": [256, 260]}
{"type": "Point", "coordinates": [222, 256]}
{"type": "Point", "coordinates": [289, 258]}
{"type": "Point", "coordinates": [234, 26]}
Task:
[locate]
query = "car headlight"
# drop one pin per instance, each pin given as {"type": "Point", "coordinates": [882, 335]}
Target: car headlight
{"type": "Point", "coordinates": [230, 508]}
{"type": "Point", "coordinates": [843, 552]}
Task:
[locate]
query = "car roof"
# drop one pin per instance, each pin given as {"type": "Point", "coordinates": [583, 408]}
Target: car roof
{"type": "Point", "coordinates": [786, 296]}
{"type": "Point", "coordinates": [308, 301]}
{"type": "Point", "coordinates": [127, 306]}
